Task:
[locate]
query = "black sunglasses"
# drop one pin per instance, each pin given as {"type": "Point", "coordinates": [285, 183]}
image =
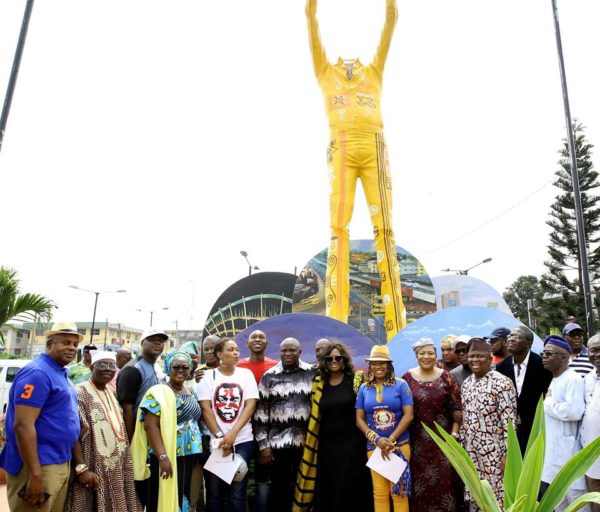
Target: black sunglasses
{"type": "Point", "coordinates": [337, 359]}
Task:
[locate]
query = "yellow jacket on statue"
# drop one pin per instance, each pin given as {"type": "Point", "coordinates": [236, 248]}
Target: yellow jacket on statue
{"type": "Point", "coordinates": [357, 150]}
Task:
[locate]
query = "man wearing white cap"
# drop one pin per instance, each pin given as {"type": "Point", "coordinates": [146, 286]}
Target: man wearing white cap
{"type": "Point", "coordinates": [102, 458]}
{"type": "Point", "coordinates": [42, 426]}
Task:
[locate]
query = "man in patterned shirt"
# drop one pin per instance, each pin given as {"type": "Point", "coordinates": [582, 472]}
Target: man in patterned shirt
{"type": "Point", "coordinates": [281, 420]}
{"type": "Point", "coordinates": [489, 403]}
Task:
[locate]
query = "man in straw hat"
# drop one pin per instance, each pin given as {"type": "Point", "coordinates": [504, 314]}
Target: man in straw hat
{"type": "Point", "coordinates": [42, 426]}
{"type": "Point", "coordinates": [489, 403]}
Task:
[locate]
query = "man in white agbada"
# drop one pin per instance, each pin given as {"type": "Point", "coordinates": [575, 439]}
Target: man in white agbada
{"type": "Point", "coordinates": [590, 425]}
{"type": "Point", "coordinates": [563, 409]}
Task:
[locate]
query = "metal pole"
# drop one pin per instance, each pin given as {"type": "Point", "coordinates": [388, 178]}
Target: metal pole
{"type": "Point", "coordinates": [583, 263]}
{"type": "Point", "coordinates": [94, 319]}
{"type": "Point", "coordinates": [12, 81]}
{"type": "Point", "coordinates": [151, 315]}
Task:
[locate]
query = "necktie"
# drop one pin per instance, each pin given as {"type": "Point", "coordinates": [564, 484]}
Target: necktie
{"type": "Point", "coordinates": [518, 370]}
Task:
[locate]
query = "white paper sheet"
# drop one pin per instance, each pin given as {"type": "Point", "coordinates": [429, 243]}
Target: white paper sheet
{"type": "Point", "coordinates": [223, 467]}
{"type": "Point", "coordinates": [391, 469]}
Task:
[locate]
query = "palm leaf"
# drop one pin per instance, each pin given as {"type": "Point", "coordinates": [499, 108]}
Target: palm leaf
{"type": "Point", "coordinates": [15, 307]}
{"type": "Point", "coordinates": [571, 471]}
{"type": "Point", "coordinates": [582, 501]}
{"type": "Point", "coordinates": [538, 424]}
{"type": "Point", "coordinates": [490, 503]}
{"type": "Point", "coordinates": [461, 462]}
{"type": "Point", "coordinates": [531, 474]}
{"type": "Point", "coordinates": [513, 467]}
{"type": "Point", "coordinates": [518, 505]}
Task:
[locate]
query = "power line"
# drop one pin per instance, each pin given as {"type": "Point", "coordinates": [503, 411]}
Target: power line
{"type": "Point", "coordinates": [490, 220]}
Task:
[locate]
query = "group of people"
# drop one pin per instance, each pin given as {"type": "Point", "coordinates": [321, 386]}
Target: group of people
{"type": "Point", "coordinates": [304, 431]}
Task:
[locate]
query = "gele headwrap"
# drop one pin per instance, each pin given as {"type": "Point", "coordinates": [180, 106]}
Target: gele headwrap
{"type": "Point", "coordinates": [176, 354]}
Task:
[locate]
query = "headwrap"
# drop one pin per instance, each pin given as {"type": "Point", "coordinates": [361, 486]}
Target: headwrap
{"type": "Point", "coordinates": [557, 341]}
{"type": "Point", "coordinates": [97, 355]}
{"type": "Point", "coordinates": [447, 341]}
{"type": "Point", "coordinates": [176, 354]}
{"type": "Point", "coordinates": [423, 342]}
{"type": "Point", "coordinates": [191, 347]}
{"type": "Point", "coordinates": [479, 345]}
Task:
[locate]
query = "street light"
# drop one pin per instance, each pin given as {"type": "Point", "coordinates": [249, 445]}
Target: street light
{"type": "Point", "coordinates": [466, 271]}
{"type": "Point", "coordinates": [151, 312]}
{"type": "Point", "coordinates": [95, 304]}
{"type": "Point", "coordinates": [250, 267]}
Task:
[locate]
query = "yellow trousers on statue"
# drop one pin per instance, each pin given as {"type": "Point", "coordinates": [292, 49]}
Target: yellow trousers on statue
{"type": "Point", "coordinates": [354, 155]}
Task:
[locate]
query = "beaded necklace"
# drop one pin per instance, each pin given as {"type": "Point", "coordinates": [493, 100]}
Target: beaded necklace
{"type": "Point", "coordinates": [109, 405]}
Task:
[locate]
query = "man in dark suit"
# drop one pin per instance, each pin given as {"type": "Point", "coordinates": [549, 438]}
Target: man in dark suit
{"type": "Point", "coordinates": [529, 376]}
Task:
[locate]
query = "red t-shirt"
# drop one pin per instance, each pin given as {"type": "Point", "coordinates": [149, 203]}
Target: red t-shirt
{"type": "Point", "coordinates": [257, 368]}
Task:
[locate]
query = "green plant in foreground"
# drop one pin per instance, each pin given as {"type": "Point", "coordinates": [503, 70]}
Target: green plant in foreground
{"type": "Point", "coordinates": [522, 476]}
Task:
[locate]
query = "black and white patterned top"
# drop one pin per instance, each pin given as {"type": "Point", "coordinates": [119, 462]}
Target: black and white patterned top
{"type": "Point", "coordinates": [281, 416]}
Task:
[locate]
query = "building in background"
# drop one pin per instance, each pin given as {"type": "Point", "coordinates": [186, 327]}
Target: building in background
{"type": "Point", "coordinates": [107, 336]}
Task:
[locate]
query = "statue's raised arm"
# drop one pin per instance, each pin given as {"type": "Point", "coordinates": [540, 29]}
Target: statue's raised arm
{"type": "Point", "coordinates": [314, 39]}
{"type": "Point", "coordinates": [391, 16]}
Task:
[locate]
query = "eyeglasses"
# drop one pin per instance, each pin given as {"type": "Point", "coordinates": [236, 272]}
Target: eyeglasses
{"type": "Point", "coordinates": [548, 353]}
{"type": "Point", "coordinates": [337, 359]}
{"type": "Point", "coordinates": [105, 366]}
{"type": "Point", "coordinates": [179, 368]}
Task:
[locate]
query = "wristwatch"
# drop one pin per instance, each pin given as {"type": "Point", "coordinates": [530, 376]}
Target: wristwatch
{"type": "Point", "coordinates": [80, 469]}
{"type": "Point", "coordinates": [219, 435]}
{"type": "Point", "coordinates": [163, 456]}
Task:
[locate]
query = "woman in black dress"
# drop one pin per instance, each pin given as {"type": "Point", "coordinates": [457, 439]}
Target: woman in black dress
{"type": "Point", "coordinates": [343, 481]}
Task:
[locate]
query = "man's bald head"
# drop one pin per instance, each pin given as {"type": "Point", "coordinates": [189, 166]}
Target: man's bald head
{"type": "Point", "coordinates": [290, 351]}
{"type": "Point", "coordinates": [123, 357]}
{"type": "Point", "coordinates": [320, 347]}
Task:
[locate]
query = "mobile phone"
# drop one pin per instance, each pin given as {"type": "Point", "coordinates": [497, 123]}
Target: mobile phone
{"type": "Point", "coordinates": [21, 494]}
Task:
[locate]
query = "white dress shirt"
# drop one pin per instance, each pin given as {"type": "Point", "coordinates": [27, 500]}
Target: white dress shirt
{"type": "Point", "coordinates": [520, 370]}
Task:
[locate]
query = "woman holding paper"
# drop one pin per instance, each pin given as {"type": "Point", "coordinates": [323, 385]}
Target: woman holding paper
{"type": "Point", "coordinates": [228, 397]}
{"type": "Point", "coordinates": [170, 438]}
{"type": "Point", "coordinates": [437, 399]}
{"type": "Point", "coordinates": [384, 411]}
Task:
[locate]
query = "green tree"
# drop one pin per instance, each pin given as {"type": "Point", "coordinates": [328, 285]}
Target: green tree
{"type": "Point", "coordinates": [517, 294]}
{"type": "Point", "coordinates": [561, 294]}
{"type": "Point", "coordinates": [16, 307]}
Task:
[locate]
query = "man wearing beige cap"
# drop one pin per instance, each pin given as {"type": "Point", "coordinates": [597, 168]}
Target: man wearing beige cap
{"type": "Point", "coordinates": [42, 426]}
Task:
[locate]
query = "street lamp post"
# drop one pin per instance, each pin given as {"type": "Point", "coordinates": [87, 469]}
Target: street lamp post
{"type": "Point", "coordinates": [250, 267]}
{"type": "Point", "coordinates": [95, 305]}
{"type": "Point", "coordinates": [466, 271]}
{"type": "Point", "coordinates": [584, 274]}
{"type": "Point", "coordinates": [151, 313]}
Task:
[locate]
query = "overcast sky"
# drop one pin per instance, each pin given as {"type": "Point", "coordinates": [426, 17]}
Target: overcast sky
{"type": "Point", "coordinates": [150, 141]}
